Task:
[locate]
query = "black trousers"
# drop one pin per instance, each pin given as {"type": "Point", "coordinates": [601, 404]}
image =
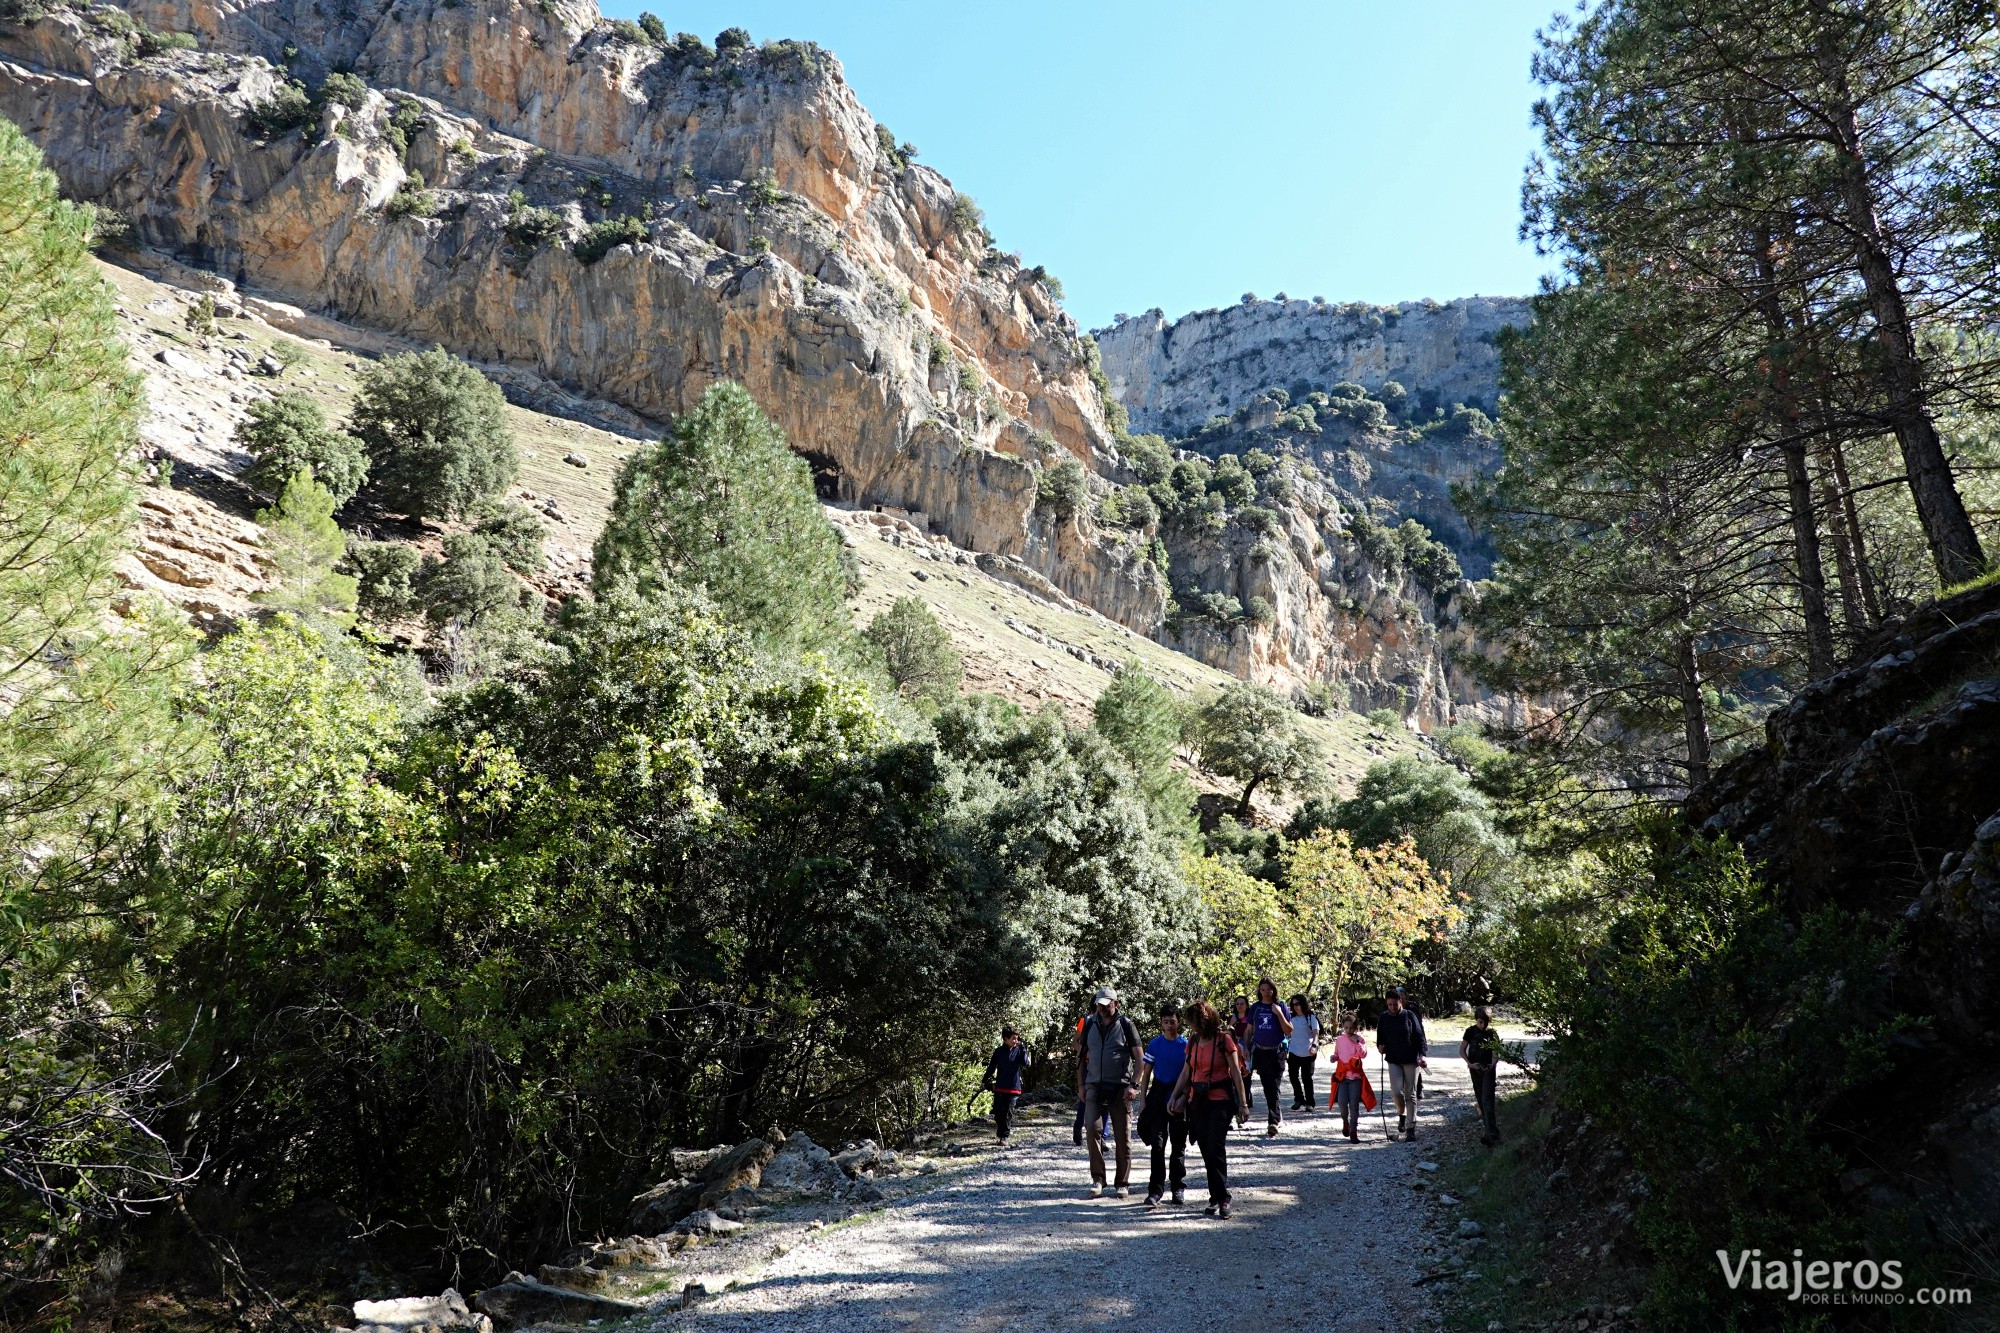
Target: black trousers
{"type": "Point", "coordinates": [1210, 1122]}
{"type": "Point", "coordinates": [1302, 1067]}
{"type": "Point", "coordinates": [1170, 1148]}
{"type": "Point", "coordinates": [1268, 1064]}
{"type": "Point", "coordinates": [1485, 1091]}
{"type": "Point", "coordinates": [1003, 1113]}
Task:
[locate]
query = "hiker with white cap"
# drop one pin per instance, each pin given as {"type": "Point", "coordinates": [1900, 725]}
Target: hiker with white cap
{"type": "Point", "coordinates": [1107, 1078]}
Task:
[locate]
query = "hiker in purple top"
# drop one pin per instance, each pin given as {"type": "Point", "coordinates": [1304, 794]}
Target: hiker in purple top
{"type": "Point", "coordinates": [1270, 1024]}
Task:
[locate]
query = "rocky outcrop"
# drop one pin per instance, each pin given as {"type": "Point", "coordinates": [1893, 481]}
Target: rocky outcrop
{"type": "Point", "coordinates": [1878, 790]}
{"type": "Point", "coordinates": [781, 243]}
{"type": "Point", "coordinates": [1173, 375]}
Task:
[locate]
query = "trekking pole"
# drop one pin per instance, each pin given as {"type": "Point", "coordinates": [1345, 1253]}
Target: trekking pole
{"type": "Point", "coordinates": [1381, 1102]}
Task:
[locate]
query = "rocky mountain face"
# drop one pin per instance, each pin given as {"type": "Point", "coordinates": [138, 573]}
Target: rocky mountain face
{"type": "Point", "coordinates": [1237, 378]}
{"type": "Point", "coordinates": [1172, 376]}
{"type": "Point", "coordinates": [778, 240]}
{"type": "Point", "coordinates": [633, 219]}
{"type": "Point", "coordinates": [1878, 790]}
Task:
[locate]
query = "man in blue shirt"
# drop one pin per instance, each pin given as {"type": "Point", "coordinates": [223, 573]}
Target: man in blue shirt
{"type": "Point", "coordinates": [1159, 1070]}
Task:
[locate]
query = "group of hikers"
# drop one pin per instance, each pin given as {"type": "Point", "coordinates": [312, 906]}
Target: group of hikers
{"type": "Point", "coordinates": [1192, 1079]}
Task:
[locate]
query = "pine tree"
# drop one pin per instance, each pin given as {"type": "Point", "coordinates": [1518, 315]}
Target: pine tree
{"type": "Point", "coordinates": [1793, 161]}
{"type": "Point", "coordinates": [80, 710]}
{"type": "Point", "coordinates": [722, 504]}
{"type": "Point", "coordinates": [305, 544]}
{"type": "Point", "coordinates": [918, 651]}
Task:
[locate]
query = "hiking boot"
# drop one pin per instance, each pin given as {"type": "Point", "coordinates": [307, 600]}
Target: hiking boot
{"type": "Point", "coordinates": [1120, 1193]}
{"type": "Point", "coordinates": [1271, 1130]}
{"type": "Point", "coordinates": [1411, 1133]}
{"type": "Point", "coordinates": [1180, 1197]}
{"type": "Point", "coordinates": [1096, 1191]}
{"type": "Point", "coordinates": [1210, 1210]}
{"type": "Point", "coordinates": [1152, 1201]}
{"type": "Point", "coordinates": [1223, 1212]}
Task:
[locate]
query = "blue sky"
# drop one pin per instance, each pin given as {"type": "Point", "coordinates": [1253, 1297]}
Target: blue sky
{"type": "Point", "coordinates": [1179, 155]}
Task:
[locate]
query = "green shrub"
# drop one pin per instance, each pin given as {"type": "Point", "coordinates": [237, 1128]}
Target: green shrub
{"type": "Point", "coordinates": [654, 30]}
{"type": "Point", "coordinates": [1129, 507]}
{"type": "Point", "coordinates": [624, 30]}
{"type": "Point", "coordinates": [436, 433]}
{"type": "Point", "coordinates": [1263, 522]}
{"type": "Point", "coordinates": [1387, 718]}
{"type": "Point", "coordinates": [899, 155]}
{"type": "Point", "coordinates": [304, 545]}
{"type": "Point", "coordinates": [530, 227]}
{"type": "Point", "coordinates": [968, 378]}
{"type": "Point", "coordinates": [1724, 1042]}
{"type": "Point", "coordinates": [470, 583]}
{"type": "Point", "coordinates": [283, 111]}
{"type": "Point", "coordinates": [693, 50]}
{"type": "Point", "coordinates": [733, 42]}
{"type": "Point", "coordinates": [1430, 562]}
{"type": "Point", "coordinates": [150, 43]}
{"type": "Point", "coordinates": [289, 432]}
{"type": "Point", "coordinates": [404, 114]}
{"type": "Point", "coordinates": [1062, 489]}
{"type": "Point", "coordinates": [1147, 455]}
{"type": "Point", "coordinates": [344, 90]}
{"type": "Point", "coordinates": [764, 191]}
{"type": "Point", "coordinates": [967, 217]}
{"type": "Point", "coordinates": [516, 535]}
{"type": "Point", "coordinates": [1231, 481]}
{"type": "Point", "coordinates": [1464, 423]}
{"type": "Point", "coordinates": [601, 238]}
{"type": "Point", "coordinates": [199, 318]}
{"type": "Point", "coordinates": [411, 199]}
{"type": "Point", "coordinates": [918, 651]}
{"type": "Point", "coordinates": [385, 573]}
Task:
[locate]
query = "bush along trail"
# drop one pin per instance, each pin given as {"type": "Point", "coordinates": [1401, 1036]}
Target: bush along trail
{"type": "Point", "coordinates": [789, 1236]}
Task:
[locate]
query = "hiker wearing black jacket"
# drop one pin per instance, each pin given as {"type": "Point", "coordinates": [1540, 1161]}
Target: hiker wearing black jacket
{"type": "Point", "coordinates": [1399, 1035]}
{"type": "Point", "coordinates": [1005, 1077]}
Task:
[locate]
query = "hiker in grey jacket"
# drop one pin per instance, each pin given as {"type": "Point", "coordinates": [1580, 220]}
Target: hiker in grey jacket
{"type": "Point", "coordinates": [1107, 1078]}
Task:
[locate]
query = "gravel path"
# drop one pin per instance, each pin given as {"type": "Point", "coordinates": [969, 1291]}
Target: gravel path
{"type": "Point", "coordinates": [1012, 1242]}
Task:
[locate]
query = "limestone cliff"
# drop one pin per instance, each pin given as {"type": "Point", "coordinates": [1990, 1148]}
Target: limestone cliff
{"type": "Point", "coordinates": [780, 241]}
{"type": "Point", "coordinates": [572, 203]}
{"type": "Point", "coordinates": [1173, 375]}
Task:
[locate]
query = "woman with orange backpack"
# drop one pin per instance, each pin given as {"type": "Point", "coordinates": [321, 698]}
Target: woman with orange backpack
{"type": "Point", "coordinates": [1350, 1079]}
{"type": "Point", "coordinates": [1210, 1091]}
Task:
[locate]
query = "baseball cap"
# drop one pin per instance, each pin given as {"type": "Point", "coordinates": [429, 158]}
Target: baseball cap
{"type": "Point", "coordinates": [1105, 995]}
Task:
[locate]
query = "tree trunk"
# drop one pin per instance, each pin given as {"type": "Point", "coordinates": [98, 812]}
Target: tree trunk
{"type": "Point", "coordinates": [1812, 577]}
{"type": "Point", "coordinates": [1852, 608]}
{"type": "Point", "coordinates": [1243, 806]}
{"type": "Point", "coordinates": [1694, 716]}
{"type": "Point", "coordinates": [1871, 600]}
{"type": "Point", "coordinates": [1798, 482]}
{"type": "Point", "coordinates": [1954, 545]}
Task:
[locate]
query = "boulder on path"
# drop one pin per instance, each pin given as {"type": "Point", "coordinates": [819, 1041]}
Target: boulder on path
{"type": "Point", "coordinates": [864, 1157]}
{"type": "Point", "coordinates": [419, 1314]}
{"type": "Point", "coordinates": [523, 1300]}
{"type": "Point", "coordinates": [718, 1174]}
{"type": "Point", "coordinates": [804, 1167]}
{"type": "Point", "coordinates": [707, 1222]}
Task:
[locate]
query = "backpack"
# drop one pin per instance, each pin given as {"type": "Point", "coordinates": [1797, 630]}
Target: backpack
{"type": "Point", "coordinates": [1125, 1026]}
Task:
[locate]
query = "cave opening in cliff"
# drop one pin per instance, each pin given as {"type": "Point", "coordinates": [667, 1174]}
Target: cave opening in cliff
{"type": "Point", "coordinates": [826, 474]}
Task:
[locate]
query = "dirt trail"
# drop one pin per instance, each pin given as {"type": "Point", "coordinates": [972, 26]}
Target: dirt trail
{"type": "Point", "coordinates": [1327, 1235]}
